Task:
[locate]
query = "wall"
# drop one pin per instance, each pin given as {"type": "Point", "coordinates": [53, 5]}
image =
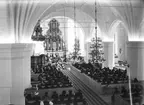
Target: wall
{"type": "Point", "coordinates": [135, 59]}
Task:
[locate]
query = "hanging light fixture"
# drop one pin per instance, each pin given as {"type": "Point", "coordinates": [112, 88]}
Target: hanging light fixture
{"type": "Point", "coordinates": [96, 45]}
{"type": "Point", "coordinates": [64, 43]}
{"type": "Point", "coordinates": [74, 19]}
{"type": "Point", "coordinates": [96, 30]}
{"type": "Point", "coordinates": [74, 55]}
{"type": "Point", "coordinates": [37, 33]}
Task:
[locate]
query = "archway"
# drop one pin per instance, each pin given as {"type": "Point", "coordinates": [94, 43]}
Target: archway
{"type": "Point", "coordinates": [68, 34]}
{"type": "Point", "coordinates": [119, 32]}
{"type": "Point", "coordinates": [75, 32]}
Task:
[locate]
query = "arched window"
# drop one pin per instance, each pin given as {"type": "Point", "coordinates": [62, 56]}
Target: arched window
{"type": "Point", "coordinates": [71, 36]}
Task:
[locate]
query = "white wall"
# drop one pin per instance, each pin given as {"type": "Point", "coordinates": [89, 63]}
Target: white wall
{"type": "Point", "coordinates": [135, 58]}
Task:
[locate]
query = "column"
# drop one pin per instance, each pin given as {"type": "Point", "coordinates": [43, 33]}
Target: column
{"type": "Point", "coordinates": [108, 54]}
{"type": "Point", "coordinates": [65, 36]}
{"type": "Point", "coordinates": [135, 58]}
{"type": "Point", "coordinates": [14, 73]}
{"type": "Point", "coordinates": [87, 53]}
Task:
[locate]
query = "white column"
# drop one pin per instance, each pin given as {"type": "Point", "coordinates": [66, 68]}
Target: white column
{"type": "Point", "coordinates": [5, 74]}
{"type": "Point", "coordinates": [135, 58]}
{"type": "Point", "coordinates": [108, 54]}
{"type": "Point", "coordinates": [87, 49]}
{"type": "Point", "coordinates": [87, 40]}
{"type": "Point", "coordinates": [14, 72]}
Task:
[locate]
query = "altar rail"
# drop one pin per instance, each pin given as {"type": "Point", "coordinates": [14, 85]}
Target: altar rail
{"type": "Point", "coordinates": [119, 101]}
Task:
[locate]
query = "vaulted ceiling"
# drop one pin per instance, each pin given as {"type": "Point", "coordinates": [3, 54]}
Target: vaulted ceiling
{"type": "Point", "coordinates": [22, 15]}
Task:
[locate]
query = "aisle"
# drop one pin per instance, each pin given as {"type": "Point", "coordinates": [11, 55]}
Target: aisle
{"type": "Point", "coordinates": [89, 93]}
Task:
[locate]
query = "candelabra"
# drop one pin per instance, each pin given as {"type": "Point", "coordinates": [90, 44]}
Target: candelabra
{"type": "Point", "coordinates": [37, 33]}
{"type": "Point", "coordinates": [65, 53]}
{"type": "Point", "coordinates": [97, 55]}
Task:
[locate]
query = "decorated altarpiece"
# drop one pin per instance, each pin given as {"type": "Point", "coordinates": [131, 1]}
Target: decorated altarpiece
{"type": "Point", "coordinates": [53, 43]}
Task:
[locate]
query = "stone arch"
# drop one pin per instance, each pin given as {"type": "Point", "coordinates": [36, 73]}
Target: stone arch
{"type": "Point", "coordinates": [67, 34]}
{"type": "Point", "coordinates": [69, 15]}
{"type": "Point", "coordinates": [120, 33]}
{"type": "Point", "coordinates": [115, 24]}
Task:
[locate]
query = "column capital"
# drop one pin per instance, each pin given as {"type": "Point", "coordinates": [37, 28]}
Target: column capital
{"type": "Point", "coordinates": [135, 44]}
{"type": "Point", "coordinates": [8, 51]}
{"type": "Point", "coordinates": [108, 44]}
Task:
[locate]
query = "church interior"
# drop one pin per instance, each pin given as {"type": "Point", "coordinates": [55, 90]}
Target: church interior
{"type": "Point", "coordinates": [72, 52]}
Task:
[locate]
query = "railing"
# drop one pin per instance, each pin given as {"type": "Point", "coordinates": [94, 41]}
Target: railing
{"type": "Point", "coordinates": [118, 100]}
{"type": "Point", "coordinates": [96, 87]}
{"type": "Point", "coordinates": [86, 84]}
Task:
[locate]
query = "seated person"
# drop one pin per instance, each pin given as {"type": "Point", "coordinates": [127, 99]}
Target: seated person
{"type": "Point", "coordinates": [46, 97]}
{"type": "Point", "coordinates": [123, 89]}
{"type": "Point", "coordinates": [70, 93]}
{"type": "Point", "coordinates": [64, 93]}
{"type": "Point", "coordinates": [135, 80]}
{"type": "Point", "coordinates": [61, 97]}
{"type": "Point", "coordinates": [116, 91]}
{"type": "Point", "coordinates": [28, 97]}
{"type": "Point", "coordinates": [41, 85]}
{"type": "Point", "coordinates": [124, 92]}
{"type": "Point", "coordinates": [32, 79]}
{"type": "Point", "coordinates": [132, 88]}
{"type": "Point", "coordinates": [115, 81]}
{"type": "Point", "coordinates": [40, 77]}
{"type": "Point", "coordinates": [98, 80]}
{"type": "Point", "coordinates": [70, 96]}
{"type": "Point", "coordinates": [78, 95]}
{"type": "Point", "coordinates": [54, 96]}
{"type": "Point", "coordinates": [137, 91]}
{"type": "Point", "coordinates": [108, 81]}
{"type": "Point", "coordinates": [104, 81]}
{"type": "Point", "coordinates": [37, 97]}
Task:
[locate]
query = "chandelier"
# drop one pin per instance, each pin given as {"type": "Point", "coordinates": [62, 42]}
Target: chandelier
{"type": "Point", "coordinates": [37, 33]}
{"type": "Point", "coordinates": [97, 55]}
